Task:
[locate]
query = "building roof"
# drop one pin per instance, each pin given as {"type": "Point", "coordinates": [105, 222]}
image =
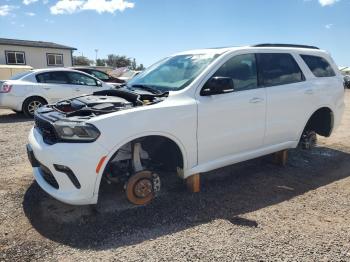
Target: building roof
{"type": "Point", "coordinates": [7, 41]}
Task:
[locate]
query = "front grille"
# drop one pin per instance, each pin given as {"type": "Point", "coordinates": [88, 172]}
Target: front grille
{"type": "Point", "coordinates": [48, 176]}
{"type": "Point", "coordinates": [46, 129]}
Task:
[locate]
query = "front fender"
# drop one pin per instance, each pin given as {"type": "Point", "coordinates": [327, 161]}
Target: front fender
{"type": "Point", "coordinates": [128, 140]}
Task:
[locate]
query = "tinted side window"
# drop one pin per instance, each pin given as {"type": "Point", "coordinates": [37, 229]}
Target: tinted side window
{"type": "Point", "coordinates": [318, 65]}
{"type": "Point", "coordinates": [242, 70]}
{"type": "Point", "coordinates": [53, 78]}
{"type": "Point", "coordinates": [80, 79]}
{"type": "Point", "coordinates": [100, 75]}
{"type": "Point", "coordinates": [278, 69]}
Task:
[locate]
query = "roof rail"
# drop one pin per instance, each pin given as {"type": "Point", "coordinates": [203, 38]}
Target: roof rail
{"type": "Point", "coordinates": [286, 45]}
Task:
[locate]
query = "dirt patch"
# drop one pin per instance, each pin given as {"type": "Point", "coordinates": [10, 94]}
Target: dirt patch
{"type": "Point", "coordinates": [250, 211]}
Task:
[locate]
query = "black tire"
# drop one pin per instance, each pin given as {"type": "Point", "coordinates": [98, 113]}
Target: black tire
{"type": "Point", "coordinates": [31, 104]}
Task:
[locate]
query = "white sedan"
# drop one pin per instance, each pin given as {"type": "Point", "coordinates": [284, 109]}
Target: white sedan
{"type": "Point", "coordinates": [30, 90]}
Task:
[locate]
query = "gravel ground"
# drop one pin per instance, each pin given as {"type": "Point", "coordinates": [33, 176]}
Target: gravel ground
{"type": "Point", "coordinates": [250, 211]}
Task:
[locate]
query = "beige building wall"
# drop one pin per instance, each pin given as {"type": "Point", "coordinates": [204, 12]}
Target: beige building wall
{"type": "Point", "coordinates": [36, 56]}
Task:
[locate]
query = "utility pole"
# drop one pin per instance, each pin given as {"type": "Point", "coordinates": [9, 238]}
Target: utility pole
{"type": "Point", "coordinates": [96, 51]}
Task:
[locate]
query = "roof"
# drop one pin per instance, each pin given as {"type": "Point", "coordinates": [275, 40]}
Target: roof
{"type": "Point", "coordinates": [18, 42]}
{"type": "Point", "coordinates": [275, 47]}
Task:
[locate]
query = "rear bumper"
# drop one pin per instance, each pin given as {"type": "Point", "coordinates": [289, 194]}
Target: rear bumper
{"type": "Point", "coordinates": [8, 101]}
{"type": "Point", "coordinates": [81, 159]}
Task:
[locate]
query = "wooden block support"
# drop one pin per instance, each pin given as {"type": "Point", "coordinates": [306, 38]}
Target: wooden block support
{"type": "Point", "coordinates": [193, 183]}
{"type": "Point", "coordinates": [281, 157]}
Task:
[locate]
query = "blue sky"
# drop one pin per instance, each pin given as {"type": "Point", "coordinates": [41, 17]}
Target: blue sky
{"type": "Point", "coordinates": [151, 29]}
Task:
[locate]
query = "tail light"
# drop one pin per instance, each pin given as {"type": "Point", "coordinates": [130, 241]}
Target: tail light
{"type": "Point", "coordinates": [5, 88]}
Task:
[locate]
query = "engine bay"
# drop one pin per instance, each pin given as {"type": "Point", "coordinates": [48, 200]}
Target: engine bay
{"type": "Point", "coordinates": [102, 102]}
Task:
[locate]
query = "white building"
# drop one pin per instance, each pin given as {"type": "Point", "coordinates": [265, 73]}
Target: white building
{"type": "Point", "coordinates": [36, 54]}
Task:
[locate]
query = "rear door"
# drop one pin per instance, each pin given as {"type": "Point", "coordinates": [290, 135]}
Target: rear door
{"type": "Point", "coordinates": [289, 98]}
{"type": "Point", "coordinates": [54, 86]}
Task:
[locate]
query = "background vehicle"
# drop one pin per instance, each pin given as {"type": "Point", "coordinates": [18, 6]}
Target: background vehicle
{"type": "Point", "coordinates": [124, 74]}
{"type": "Point", "coordinates": [347, 81]}
{"type": "Point", "coordinates": [101, 75]}
{"type": "Point", "coordinates": [190, 113]}
{"type": "Point", "coordinates": [30, 90]}
{"type": "Point", "coordinates": [129, 75]}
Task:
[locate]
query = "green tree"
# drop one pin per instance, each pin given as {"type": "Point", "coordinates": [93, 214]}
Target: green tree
{"type": "Point", "coordinates": [133, 64]}
{"type": "Point", "coordinates": [100, 62]}
{"type": "Point", "coordinates": [140, 67]}
{"type": "Point", "coordinates": [118, 61]}
{"type": "Point", "coordinates": [81, 61]}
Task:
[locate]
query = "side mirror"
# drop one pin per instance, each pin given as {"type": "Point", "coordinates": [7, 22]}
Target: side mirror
{"type": "Point", "coordinates": [217, 85]}
{"type": "Point", "coordinates": [99, 83]}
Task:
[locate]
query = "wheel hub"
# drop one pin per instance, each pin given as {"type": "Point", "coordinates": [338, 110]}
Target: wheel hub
{"type": "Point", "coordinates": [143, 188]}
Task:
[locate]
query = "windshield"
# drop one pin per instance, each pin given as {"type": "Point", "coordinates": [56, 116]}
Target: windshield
{"type": "Point", "coordinates": [174, 73]}
{"type": "Point", "coordinates": [20, 75]}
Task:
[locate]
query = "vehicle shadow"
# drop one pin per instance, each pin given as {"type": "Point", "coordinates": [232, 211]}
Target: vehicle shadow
{"type": "Point", "coordinates": [13, 118]}
{"type": "Point", "coordinates": [227, 193]}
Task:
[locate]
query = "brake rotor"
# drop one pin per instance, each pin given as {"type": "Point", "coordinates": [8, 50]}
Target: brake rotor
{"type": "Point", "coordinates": [140, 188]}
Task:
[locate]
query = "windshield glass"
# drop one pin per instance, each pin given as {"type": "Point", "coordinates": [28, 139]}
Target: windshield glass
{"type": "Point", "coordinates": [20, 75]}
{"type": "Point", "coordinates": [174, 73]}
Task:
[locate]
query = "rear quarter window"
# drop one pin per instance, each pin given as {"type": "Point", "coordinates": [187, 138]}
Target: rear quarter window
{"type": "Point", "coordinates": [318, 66]}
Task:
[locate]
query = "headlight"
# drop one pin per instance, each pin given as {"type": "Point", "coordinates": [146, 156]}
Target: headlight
{"type": "Point", "coordinates": [76, 131]}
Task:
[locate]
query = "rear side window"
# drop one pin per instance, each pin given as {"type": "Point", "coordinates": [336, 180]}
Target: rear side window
{"type": "Point", "coordinates": [53, 78]}
{"type": "Point", "coordinates": [278, 69]}
{"type": "Point", "coordinates": [318, 65]}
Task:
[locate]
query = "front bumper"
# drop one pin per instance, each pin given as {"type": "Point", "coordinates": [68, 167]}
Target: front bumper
{"type": "Point", "coordinates": [80, 158]}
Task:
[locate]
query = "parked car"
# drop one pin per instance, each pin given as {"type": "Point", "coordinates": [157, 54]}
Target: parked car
{"type": "Point", "coordinates": [347, 81]}
{"type": "Point", "coordinates": [26, 92]}
{"type": "Point", "coordinates": [101, 75]}
{"type": "Point", "coordinates": [128, 75]}
{"type": "Point", "coordinates": [191, 113]}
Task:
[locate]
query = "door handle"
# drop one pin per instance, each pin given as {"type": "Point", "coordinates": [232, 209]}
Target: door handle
{"type": "Point", "coordinates": [256, 100]}
{"type": "Point", "coordinates": [77, 89]}
{"type": "Point", "coordinates": [46, 88]}
{"type": "Point", "coordinates": [309, 92]}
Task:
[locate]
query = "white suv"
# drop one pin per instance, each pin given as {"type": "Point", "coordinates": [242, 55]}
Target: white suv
{"type": "Point", "coordinates": [191, 113]}
{"type": "Point", "coordinates": [30, 90]}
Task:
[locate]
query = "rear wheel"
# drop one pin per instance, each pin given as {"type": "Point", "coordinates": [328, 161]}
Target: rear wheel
{"type": "Point", "coordinates": [31, 104]}
{"type": "Point", "coordinates": [308, 140]}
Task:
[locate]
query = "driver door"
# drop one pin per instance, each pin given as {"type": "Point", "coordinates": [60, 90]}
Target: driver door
{"type": "Point", "coordinates": [232, 123]}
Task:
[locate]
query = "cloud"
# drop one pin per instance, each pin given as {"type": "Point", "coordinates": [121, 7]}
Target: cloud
{"type": "Point", "coordinates": [28, 2]}
{"type": "Point", "coordinates": [30, 13]}
{"type": "Point", "coordinates": [5, 10]}
{"type": "Point", "coordinates": [107, 6]}
{"type": "Point", "coordinates": [66, 7]}
{"type": "Point", "coordinates": [327, 2]}
{"type": "Point", "coordinates": [328, 26]}
{"type": "Point", "coordinates": [100, 6]}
